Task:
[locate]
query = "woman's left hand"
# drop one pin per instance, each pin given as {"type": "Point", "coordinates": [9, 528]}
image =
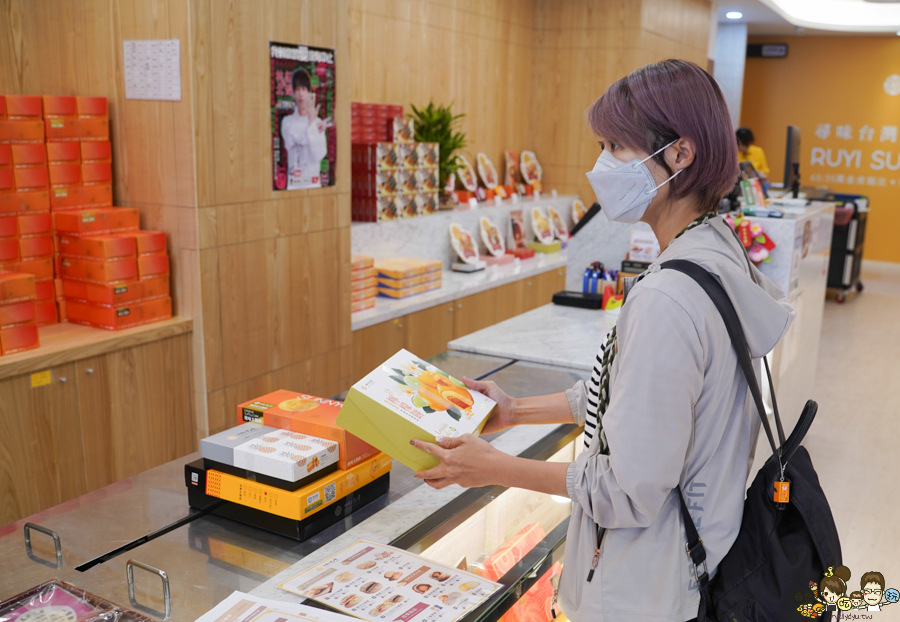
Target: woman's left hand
{"type": "Point", "coordinates": [465, 460]}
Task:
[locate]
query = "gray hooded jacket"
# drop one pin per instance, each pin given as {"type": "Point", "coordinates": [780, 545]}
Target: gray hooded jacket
{"type": "Point", "coordinates": [679, 413]}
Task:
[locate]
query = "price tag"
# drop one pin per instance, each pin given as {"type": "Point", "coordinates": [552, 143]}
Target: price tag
{"type": "Point", "coordinates": [473, 203]}
{"type": "Point", "coordinates": [553, 193]}
{"type": "Point", "coordinates": [498, 201]}
{"type": "Point", "coordinates": [782, 492]}
{"type": "Point", "coordinates": [515, 198]}
{"type": "Point", "coordinates": [40, 379]}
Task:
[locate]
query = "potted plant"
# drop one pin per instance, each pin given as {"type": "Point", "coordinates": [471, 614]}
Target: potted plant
{"type": "Point", "coordinates": [438, 124]}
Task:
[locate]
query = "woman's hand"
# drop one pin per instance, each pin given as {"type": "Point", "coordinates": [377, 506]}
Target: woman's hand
{"type": "Point", "coordinates": [465, 460]}
{"type": "Point", "coordinates": [504, 415]}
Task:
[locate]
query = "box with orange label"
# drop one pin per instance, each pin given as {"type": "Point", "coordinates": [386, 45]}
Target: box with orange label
{"type": "Point", "coordinates": [106, 247]}
{"type": "Point", "coordinates": [44, 290]}
{"type": "Point", "coordinates": [34, 201]}
{"type": "Point", "coordinates": [361, 305]}
{"type": "Point", "coordinates": [115, 318]}
{"type": "Point", "coordinates": [92, 129]}
{"type": "Point", "coordinates": [19, 339]}
{"type": "Point", "coordinates": [93, 173]}
{"type": "Point", "coordinates": [45, 313]}
{"type": "Point", "coordinates": [359, 284]}
{"type": "Point", "coordinates": [21, 132]}
{"type": "Point", "coordinates": [107, 272]}
{"type": "Point", "coordinates": [98, 195]}
{"type": "Point", "coordinates": [16, 287]}
{"type": "Point", "coordinates": [5, 156]}
{"type": "Point", "coordinates": [362, 294]}
{"type": "Point", "coordinates": [149, 242]}
{"type": "Point", "coordinates": [32, 178]}
{"type": "Point", "coordinates": [155, 287]}
{"type": "Point", "coordinates": [16, 313]}
{"type": "Point", "coordinates": [96, 151]}
{"type": "Point", "coordinates": [306, 414]}
{"type": "Point", "coordinates": [26, 107]}
{"type": "Point", "coordinates": [63, 130]}
{"type": "Point", "coordinates": [25, 156]}
{"type": "Point", "coordinates": [156, 310]}
{"type": "Point", "coordinates": [9, 226]}
{"type": "Point", "coordinates": [150, 266]}
{"type": "Point", "coordinates": [91, 107]}
{"type": "Point", "coordinates": [64, 175]}
{"type": "Point", "coordinates": [35, 246]}
{"type": "Point", "coordinates": [105, 295]}
{"type": "Point", "coordinates": [9, 250]}
{"type": "Point", "coordinates": [40, 267]}
{"type": "Point", "coordinates": [95, 221]}
{"type": "Point", "coordinates": [60, 107]}
{"type": "Point", "coordinates": [63, 153]}
{"type": "Point", "coordinates": [78, 312]}
{"type": "Point", "coordinates": [35, 224]}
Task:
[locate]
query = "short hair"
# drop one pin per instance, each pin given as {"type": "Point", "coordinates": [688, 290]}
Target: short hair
{"type": "Point", "coordinates": [745, 136]}
{"type": "Point", "coordinates": [856, 595]}
{"type": "Point", "coordinates": [661, 102]}
{"type": "Point", "coordinates": [301, 79]}
{"type": "Point", "coordinates": [837, 582]}
{"type": "Point", "coordinates": [871, 577]}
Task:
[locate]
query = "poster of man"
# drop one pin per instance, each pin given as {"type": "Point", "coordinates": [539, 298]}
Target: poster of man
{"type": "Point", "coordinates": [302, 113]}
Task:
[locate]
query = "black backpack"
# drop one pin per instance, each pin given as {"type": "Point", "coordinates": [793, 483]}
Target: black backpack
{"type": "Point", "coordinates": [781, 547]}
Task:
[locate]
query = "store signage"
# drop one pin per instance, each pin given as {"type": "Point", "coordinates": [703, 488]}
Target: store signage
{"type": "Point", "coordinates": [767, 50]}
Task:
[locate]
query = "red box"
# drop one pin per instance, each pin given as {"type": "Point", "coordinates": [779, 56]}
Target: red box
{"type": "Point", "coordinates": [37, 246]}
{"type": "Point", "coordinates": [91, 107]}
{"type": "Point", "coordinates": [19, 339]}
{"type": "Point", "coordinates": [156, 310]}
{"type": "Point", "coordinates": [118, 318]}
{"type": "Point", "coordinates": [155, 287]}
{"type": "Point", "coordinates": [83, 221]}
{"type": "Point", "coordinates": [512, 551]}
{"type": "Point", "coordinates": [149, 242]}
{"type": "Point", "coordinates": [16, 287]}
{"type": "Point", "coordinates": [75, 290]}
{"type": "Point", "coordinates": [7, 179]}
{"type": "Point", "coordinates": [2, 106]}
{"type": "Point", "coordinates": [63, 130]}
{"type": "Point", "coordinates": [61, 307]}
{"type": "Point", "coordinates": [45, 313]}
{"type": "Point", "coordinates": [9, 226]}
{"type": "Point", "coordinates": [149, 266]}
{"type": "Point", "coordinates": [98, 247]}
{"type": "Point", "coordinates": [80, 197]}
{"type": "Point", "coordinates": [23, 107]}
{"type": "Point", "coordinates": [40, 267]}
{"type": "Point", "coordinates": [59, 107]}
{"type": "Point", "coordinates": [25, 131]}
{"type": "Point", "coordinates": [96, 173]}
{"type": "Point", "coordinates": [63, 153]}
{"type": "Point", "coordinates": [35, 224]}
{"type": "Point", "coordinates": [34, 178]}
{"type": "Point", "coordinates": [44, 290]}
{"type": "Point", "coordinates": [9, 203]}
{"type": "Point", "coordinates": [114, 295]}
{"type": "Point", "coordinates": [123, 219]}
{"type": "Point", "coordinates": [34, 201]}
{"type": "Point", "coordinates": [4, 132]}
{"type": "Point", "coordinates": [64, 175]}
{"type": "Point", "coordinates": [28, 155]}
{"type": "Point", "coordinates": [17, 313]}
{"type": "Point", "coordinates": [91, 129]}
{"type": "Point", "coordinates": [106, 272]}
{"type": "Point", "coordinates": [99, 195]}
{"type": "Point", "coordinates": [96, 151]}
{"type": "Point", "coordinates": [9, 250]}
{"type": "Point", "coordinates": [78, 312]}
{"type": "Point", "coordinates": [5, 156]}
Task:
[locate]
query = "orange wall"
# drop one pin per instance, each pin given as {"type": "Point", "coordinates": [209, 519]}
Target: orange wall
{"type": "Point", "coordinates": [836, 81]}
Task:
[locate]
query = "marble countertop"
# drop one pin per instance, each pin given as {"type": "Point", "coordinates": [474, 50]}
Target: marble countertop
{"type": "Point", "coordinates": [552, 334]}
{"type": "Point", "coordinates": [456, 285]}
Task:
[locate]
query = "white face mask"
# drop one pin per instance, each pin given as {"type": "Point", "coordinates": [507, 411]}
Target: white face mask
{"type": "Point", "coordinates": [625, 189]}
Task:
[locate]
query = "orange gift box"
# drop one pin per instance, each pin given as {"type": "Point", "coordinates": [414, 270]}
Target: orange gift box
{"type": "Point", "coordinates": [155, 287]}
{"type": "Point", "coordinates": [33, 178]}
{"type": "Point", "coordinates": [44, 290]}
{"type": "Point", "coordinates": [361, 284]}
{"type": "Point", "coordinates": [310, 415]}
{"type": "Point", "coordinates": [23, 107]}
{"type": "Point", "coordinates": [9, 250]}
{"type": "Point", "coordinates": [63, 153]}
{"type": "Point", "coordinates": [156, 310]}
{"type": "Point", "coordinates": [116, 318]}
{"type": "Point", "coordinates": [45, 313]}
{"type": "Point", "coordinates": [4, 132]}
{"type": "Point", "coordinates": [35, 224]}
{"type": "Point", "coordinates": [9, 226]}
{"type": "Point", "coordinates": [64, 175]}
{"type": "Point", "coordinates": [61, 307]}
{"type": "Point", "coordinates": [363, 273]}
{"type": "Point", "coordinates": [24, 156]}
{"type": "Point", "coordinates": [149, 266]}
{"type": "Point", "coordinates": [10, 203]}
{"type": "Point", "coordinates": [91, 107]}
{"type": "Point", "coordinates": [19, 339]}
{"type": "Point", "coordinates": [17, 313]}
{"type": "Point", "coordinates": [83, 221]}
{"type": "Point", "coordinates": [99, 195]}
{"type": "Point", "coordinates": [5, 156]}
{"type": "Point", "coordinates": [96, 173]}
{"type": "Point", "coordinates": [25, 131]}
{"type": "Point", "coordinates": [106, 272]}
{"type": "Point", "coordinates": [362, 294]}
{"type": "Point", "coordinates": [81, 197]}
{"type": "Point", "coordinates": [36, 246]}
{"type": "Point", "coordinates": [91, 129]}
{"type": "Point", "coordinates": [15, 287]}
{"type": "Point", "coordinates": [76, 290]}
{"type": "Point", "coordinates": [103, 295]}
{"type": "Point", "coordinates": [34, 201]}
{"type": "Point", "coordinates": [149, 242]}
{"type": "Point", "coordinates": [63, 130]}
{"type": "Point", "coordinates": [40, 267]}
{"type": "Point", "coordinates": [96, 151]}
{"type": "Point", "coordinates": [2, 106]}
{"type": "Point", "coordinates": [361, 305]}
{"type": "Point", "coordinates": [358, 262]}
{"type": "Point", "coordinates": [78, 312]}
{"type": "Point", "coordinates": [59, 107]}
{"type": "Point", "coordinates": [512, 551]}
{"type": "Point", "coordinates": [97, 246]}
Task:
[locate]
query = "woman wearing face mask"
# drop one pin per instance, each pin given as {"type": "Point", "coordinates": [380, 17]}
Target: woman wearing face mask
{"type": "Point", "coordinates": [667, 403]}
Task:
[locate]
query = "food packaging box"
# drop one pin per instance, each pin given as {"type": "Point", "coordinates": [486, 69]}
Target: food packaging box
{"type": "Point", "coordinates": [292, 458]}
{"type": "Point", "coordinates": [155, 287]}
{"type": "Point", "coordinates": [77, 291]}
{"type": "Point", "coordinates": [64, 175]}
{"type": "Point", "coordinates": [56, 600]}
{"type": "Point", "coordinates": [363, 273]}
{"type": "Point", "coordinates": [96, 151]}
{"type": "Point", "coordinates": [9, 250]}
{"type": "Point", "coordinates": [63, 153]}
{"type": "Point", "coordinates": [106, 272]}
{"type": "Point", "coordinates": [103, 295]}
{"type": "Point", "coordinates": [429, 155]}
{"type": "Point", "coordinates": [44, 290]}
{"type": "Point", "coordinates": [409, 291]}
{"type": "Point", "coordinates": [512, 551]}
{"type": "Point", "coordinates": [25, 131]}
{"type": "Point", "coordinates": [93, 129]}
{"type": "Point", "coordinates": [16, 287]}
{"type": "Point", "coordinates": [409, 281]}
{"type": "Point", "coordinates": [26, 156]}
{"type": "Point", "coordinates": [408, 155]}
{"type": "Point", "coordinates": [4, 131]}
{"type": "Point", "coordinates": [345, 503]}
{"type": "Point", "coordinates": [63, 130]}
{"type": "Point", "coordinates": [387, 157]}
{"type": "Point", "coordinates": [386, 183]}
{"type": "Point", "coordinates": [83, 221]}
{"type": "Point", "coordinates": [310, 415]}
{"type": "Point", "coordinates": [406, 205]}
{"type": "Point", "coordinates": [362, 294]}
{"type": "Point", "coordinates": [149, 266]}
{"type": "Point", "coordinates": [361, 305]}
{"type": "Point", "coordinates": [27, 107]}
{"type": "Point", "coordinates": [407, 398]}
{"type": "Point", "coordinates": [426, 181]}
{"type": "Point", "coordinates": [116, 318]}
{"type": "Point", "coordinates": [16, 313]}
{"type": "Point", "coordinates": [9, 226]}
{"type": "Point", "coordinates": [32, 178]}
{"type": "Point", "coordinates": [91, 107]}
{"type": "Point", "coordinates": [406, 183]}
{"type": "Point", "coordinates": [156, 310]}
{"type": "Point", "coordinates": [45, 313]}
{"type": "Point", "coordinates": [10, 203]}
{"type": "Point", "coordinates": [78, 312]}
{"type": "Point", "coordinates": [34, 201]}
{"type": "Point", "coordinates": [6, 156]}
{"type": "Point", "coordinates": [106, 247]}
{"type": "Point", "coordinates": [404, 130]}
{"type": "Point", "coordinates": [40, 267]}
{"type": "Point", "coordinates": [60, 107]}
{"type": "Point", "coordinates": [35, 224]}
{"type": "Point", "coordinates": [149, 242]}
{"type": "Point", "coordinates": [427, 203]}
{"type": "Point", "coordinates": [387, 208]}
{"type": "Point", "coordinates": [35, 246]}
{"type": "Point", "coordinates": [360, 262]}
{"type": "Point", "coordinates": [2, 106]}
{"type": "Point", "coordinates": [361, 284]}
{"type": "Point", "coordinates": [404, 267]}
{"type": "Point", "coordinates": [19, 339]}
{"type": "Point", "coordinates": [7, 179]}
{"type": "Point", "coordinates": [96, 173]}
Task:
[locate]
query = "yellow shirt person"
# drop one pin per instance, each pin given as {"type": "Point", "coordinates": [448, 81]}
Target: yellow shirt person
{"type": "Point", "coordinates": [748, 152]}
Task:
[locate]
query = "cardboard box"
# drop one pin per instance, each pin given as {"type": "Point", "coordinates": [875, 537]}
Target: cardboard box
{"type": "Point", "coordinates": [67, 198]}
{"type": "Point", "coordinates": [362, 294]}
{"type": "Point", "coordinates": [96, 173]}
{"type": "Point", "coordinates": [155, 287]}
{"type": "Point", "coordinates": [19, 339]}
{"type": "Point", "coordinates": [83, 221]}
{"type": "Point", "coordinates": [16, 313]}
{"type": "Point", "coordinates": [7, 177]}
{"type": "Point", "coordinates": [156, 310]}
{"type": "Point", "coordinates": [35, 224]}
{"type": "Point", "coordinates": [78, 312]}
{"type": "Point", "coordinates": [63, 153]}
{"type": "Point", "coordinates": [64, 175]}
{"type": "Point", "coordinates": [302, 502]}
{"type": "Point", "coordinates": [10, 203]}
{"type": "Point", "coordinates": [63, 130]}
{"type": "Point", "coordinates": [40, 267]}
{"type": "Point", "coordinates": [45, 313]}
{"type": "Point", "coordinates": [362, 284]}
{"type": "Point", "coordinates": [35, 246]}
{"type": "Point", "coordinates": [104, 272]}
{"type": "Point", "coordinates": [34, 201]}
{"type": "Point", "coordinates": [150, 266]}
{"type": "Point", "coordinates": [16, 287]}
{"type": "Point", "coordinates": [361, 305]}
{"type": "Point", "coordinates": [59, 107]}
{"type": "Point", "coordinates": [5, 156]}
{"type": "Point", "coordinates": [96, 151]}
{"type": "Point", "coordinates": [25, 131]}
{"type": "Point", "coordinates": [32, 178]}
{"type": "Point", "coordinates": [26, 156]}
{"type": "Point", "coordinates": [92, 129]}
{"type": "Point", "coordinates": [410, 281]}
{"type": "Point", "coordinates": [9, 226]}
{"type": "Point", "coordinates": [27, 107]}
{"type": "Point", "coordinates": [404, 267]}
{"type": "Point", "coordinates": [105, 247]}
{"type": "Point", "coordinates": [409, 291]}
{"type": "Point", "coordinates": [9, 250]}
{"type": "Point", "coordinates": [91, 107]}
{"type": "Point", "coordinates": [99, 195]}
{"type": "Point", "coordinates": [116, 318]}
{"type": "Point", "coordinates": [77, 291]}
{"type": "Point", "coordinates": [44, 290]}
{"type": "Point", "coordinates": [429, 404]}
{"type": "Point", "coordinates": [361, 262]}
{"type": "Point", "coordinates": [149, 242]}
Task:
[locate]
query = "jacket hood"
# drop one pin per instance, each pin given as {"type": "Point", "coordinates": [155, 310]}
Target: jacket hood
{"type": "Point", "coordinates": [763, 309]}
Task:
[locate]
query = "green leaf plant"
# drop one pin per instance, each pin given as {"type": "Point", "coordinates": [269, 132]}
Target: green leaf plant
{"type": "Point", "coordinates": [438, 124]}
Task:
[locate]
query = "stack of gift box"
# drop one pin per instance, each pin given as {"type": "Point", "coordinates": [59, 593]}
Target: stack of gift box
{"type": "Point", "coordinates": [396, 179]}
{"type": "Point", "coordinates": [363, 283]}
{"type": "Point", "coordinates": [399, 277]}
{"type": "Point", "coordinates": [373, 123]}
{"type": "Point", "coordinates": [18, 312]}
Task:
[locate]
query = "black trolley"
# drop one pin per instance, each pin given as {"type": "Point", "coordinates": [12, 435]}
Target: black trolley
{"type": "Point", "coordinates": [847, 240]}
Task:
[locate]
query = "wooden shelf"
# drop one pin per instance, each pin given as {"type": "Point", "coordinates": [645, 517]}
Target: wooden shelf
{"type": "Point", "coordinates": [65, 343]}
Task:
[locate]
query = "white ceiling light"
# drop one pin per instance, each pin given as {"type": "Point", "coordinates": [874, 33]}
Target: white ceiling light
{"type": "Point", "coordinates": [841, 15]}
{"type": "Point", "coordinates": [734, 15]}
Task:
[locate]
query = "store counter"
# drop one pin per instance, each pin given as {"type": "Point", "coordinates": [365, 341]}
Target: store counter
{"type": "Point", "coordinates": [207, 558]}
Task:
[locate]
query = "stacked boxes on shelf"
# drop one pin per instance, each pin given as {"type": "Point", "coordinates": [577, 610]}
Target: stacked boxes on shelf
{"type": "Point", "coordinates": [399, 277]}
{"type": "Point", "coordinates": [373, 123]}
{"type": "Point", "coordinates": [18, 312]}
{"type": "Point", "coordinates": [363, 283]}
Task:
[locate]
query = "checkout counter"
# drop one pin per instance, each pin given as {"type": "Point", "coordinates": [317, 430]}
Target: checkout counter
{"type": "Point", "coordinates": [192, 565]}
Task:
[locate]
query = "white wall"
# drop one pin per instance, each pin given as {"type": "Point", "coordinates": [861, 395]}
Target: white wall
{"type": "Point", "coordinates": [731, 53]}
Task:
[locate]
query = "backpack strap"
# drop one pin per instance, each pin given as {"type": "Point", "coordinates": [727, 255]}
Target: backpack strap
{"type": "Point", "coordinates": [694, 544]}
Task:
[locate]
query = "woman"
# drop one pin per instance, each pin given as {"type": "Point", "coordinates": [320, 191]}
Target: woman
{"type": "Point", "coordinates": [667, 403]}
{"type": "Point", "coordinates": [750, 152]}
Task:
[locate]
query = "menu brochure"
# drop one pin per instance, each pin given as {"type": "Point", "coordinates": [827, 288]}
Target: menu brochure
{"type": "Point", "coordinates": [241, 607]}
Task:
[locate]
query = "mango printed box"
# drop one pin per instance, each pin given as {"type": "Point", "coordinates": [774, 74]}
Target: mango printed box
{"type": "Point", "coordinates": [407, 398]}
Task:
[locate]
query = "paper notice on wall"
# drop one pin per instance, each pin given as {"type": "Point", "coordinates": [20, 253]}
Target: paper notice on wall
{"type": "Point", "coordinates": [240, 607]}
{"type": "Point", "coordinates": [377, 582]}
{"type": "Point", "coordinates": [153, 69]}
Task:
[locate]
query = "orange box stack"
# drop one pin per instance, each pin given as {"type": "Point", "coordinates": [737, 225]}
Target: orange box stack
{"type": "Point", "coordinates": [363, 283]}
{"type": "Point", "coordinates": [18, 312]}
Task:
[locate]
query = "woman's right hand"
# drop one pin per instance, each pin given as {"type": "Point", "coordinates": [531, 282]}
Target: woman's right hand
{"type": "Point", "coordinates": [504, 415]}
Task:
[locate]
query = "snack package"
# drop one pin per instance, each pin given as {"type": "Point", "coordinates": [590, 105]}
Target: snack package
{"type": "Point", "coordinates": [387, 208]}
{"type": "Point", "coordinates": [578, 211]}
{"type": "Point", "coordinates": [386, 157]}
{"type": "Point", "coordinates": [487, 171]}
{"type": "Point", "coordinates": [466, 174]}
{"type": "Point", "coordinates": [404, 130]}
{"type": "Point", "coordinates": [427, 203]}
{"type": "Point", "coordinates": [531, 169]}
{"type": "Point", "coordinates": [463, 244]}
{"type": "Point", "coordinates": [541, 226]}
{"type": "Point", "coordinates": [407, 398]}
{"type": "Point", "coordinates": [407, 206]}
{"type": "Point", "coordinates": [518, 237]}
{"type": "Point", "coordinates": [491, 237]}
{"type": "Point", "coordinates": [406, 183]}
{"type": "Point", "coordinates": [410, 291]}
{"type": "Point", "coordinates": [387, 183]}
{"type": "Point", "coordinates": [512, 177]}
{"type": "Point", "coordinates": [429, 155]}
{"type": "Point", "coordinates": [427, 180]}
{"type": "Point", "coordinates": [409, 156]}
{"type": "Point", "coordinates": [358, 262]}
{"type": "Point", "coordinates": [559, 225]}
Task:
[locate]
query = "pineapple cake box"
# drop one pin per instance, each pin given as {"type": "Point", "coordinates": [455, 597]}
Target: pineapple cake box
{"type": "Point", "coordinates": [406, 398]}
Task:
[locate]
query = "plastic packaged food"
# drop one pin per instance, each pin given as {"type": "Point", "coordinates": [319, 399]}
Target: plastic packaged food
{"type": "Point", "coordinates": [57, 600]}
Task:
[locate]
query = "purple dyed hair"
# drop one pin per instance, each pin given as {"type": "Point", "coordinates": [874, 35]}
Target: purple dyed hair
{"type": "Point", "coordinates": [662, 102]}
